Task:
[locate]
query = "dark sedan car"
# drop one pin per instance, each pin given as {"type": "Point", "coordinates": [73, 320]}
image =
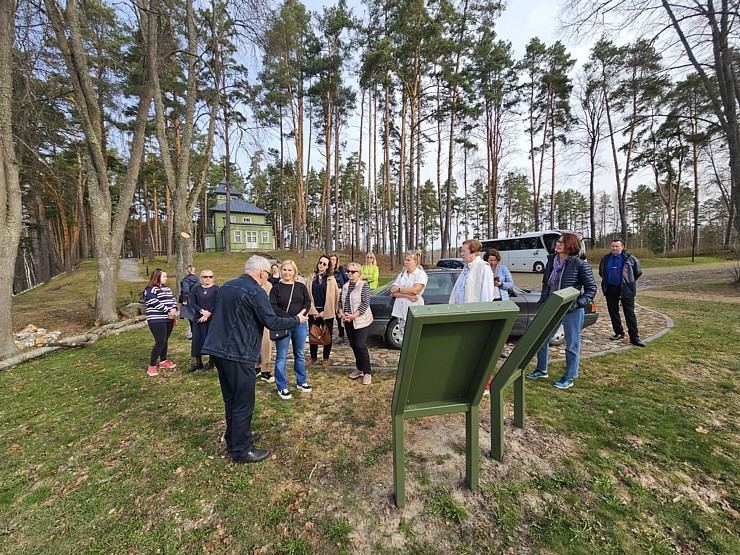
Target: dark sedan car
{"type": "Point", "coordinates": [450, 263]}
{"type": "Point", "coordinates": [438, 290]}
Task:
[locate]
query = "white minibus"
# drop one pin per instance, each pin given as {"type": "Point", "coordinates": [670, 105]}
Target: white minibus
{"type": "Point", "coordinates": [528, 252]}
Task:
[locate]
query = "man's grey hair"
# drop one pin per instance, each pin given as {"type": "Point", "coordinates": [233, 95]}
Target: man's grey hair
{"type": "Point", "coordinates": [257, 263]}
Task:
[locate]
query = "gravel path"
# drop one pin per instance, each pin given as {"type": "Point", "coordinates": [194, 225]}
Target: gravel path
{"type": "Point", "coordinates": [128, 270]}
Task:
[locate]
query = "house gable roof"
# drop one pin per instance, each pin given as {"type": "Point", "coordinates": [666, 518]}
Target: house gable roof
{"type": "Point", "coordinates": [221, 189]}
{"type": "Point", "coordinates": [241, 206]}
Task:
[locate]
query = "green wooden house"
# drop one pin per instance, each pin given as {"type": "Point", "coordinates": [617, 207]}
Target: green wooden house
{"type": "Point", "coordinates": [249, 227]}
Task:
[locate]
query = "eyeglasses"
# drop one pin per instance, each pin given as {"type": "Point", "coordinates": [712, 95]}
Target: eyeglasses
{"type": "Point", "coordinates": [352, 272]}
{"type": "Point", "coordinates": [206, 277]}
{"type": "Point", "coordinates": [559, 243]}
{"type": "Point", "coordinates": [323, 263]}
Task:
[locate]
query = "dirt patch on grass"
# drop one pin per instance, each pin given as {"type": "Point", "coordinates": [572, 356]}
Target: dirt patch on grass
{"type": "Point", "coordinates": [435, 461]}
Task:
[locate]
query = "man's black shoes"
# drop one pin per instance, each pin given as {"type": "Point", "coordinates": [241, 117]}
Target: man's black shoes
{"type": "Point", "coordinates": [616, 337]}
{"type": "Point", "coordinates": [253, 456]}
{"type": "Point", "coordinates": [637, 342]}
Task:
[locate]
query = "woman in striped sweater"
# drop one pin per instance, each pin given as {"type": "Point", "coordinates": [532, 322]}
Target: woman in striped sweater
{"type": "Point", "coordinates": [161, 310]}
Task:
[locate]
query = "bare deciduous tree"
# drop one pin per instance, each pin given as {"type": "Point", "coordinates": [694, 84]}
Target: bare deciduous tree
{"type": "Point", "coordinates": [109, 215]}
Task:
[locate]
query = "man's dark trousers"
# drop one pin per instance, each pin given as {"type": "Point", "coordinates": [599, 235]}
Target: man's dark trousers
{"type": "Point", "coordinates": [237, 388]}
{"type": "Point", "coordinates": [628, 306]}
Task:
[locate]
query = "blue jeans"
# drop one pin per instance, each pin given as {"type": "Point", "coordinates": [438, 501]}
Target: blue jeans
{"type": "Point", "coordinates": [298, 337]}
{"type": "Point", "coordinates": [572, 325]}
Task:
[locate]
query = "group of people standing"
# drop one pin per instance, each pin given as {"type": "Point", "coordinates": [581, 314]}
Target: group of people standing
{"type": "Point", "coordinates": [231, 323]}
{"type": "Point", "coordinates": [330, 293]}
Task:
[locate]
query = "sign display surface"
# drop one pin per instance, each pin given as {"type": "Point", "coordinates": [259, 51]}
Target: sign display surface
{"type": "Point", "coordinates": [448, 354]}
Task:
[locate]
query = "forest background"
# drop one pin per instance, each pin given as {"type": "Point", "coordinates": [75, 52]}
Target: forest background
{"type": "Point", "coordinates": [117, 120]}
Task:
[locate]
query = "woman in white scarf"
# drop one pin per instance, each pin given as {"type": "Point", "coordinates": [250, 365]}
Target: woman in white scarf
{"type": "Point", "coordinates": [475, 283]}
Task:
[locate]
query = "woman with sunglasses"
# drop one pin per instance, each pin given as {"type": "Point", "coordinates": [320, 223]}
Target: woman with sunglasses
{"type": "Point", "coordinates": [354, 310]}
{"type": "Point", "coordinates": [324, 293]}
{"type": "Point", "coordinates": [370, 272]}
{"type": "Point", "coordinates": [202, 299]}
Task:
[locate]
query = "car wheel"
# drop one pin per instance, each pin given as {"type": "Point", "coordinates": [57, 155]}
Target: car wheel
{"type": "Point", "coordinates": [539, 267]}
{"type": "Point", "coordinates": [559, 337]}
{"type": "Point", "coordinates": [393, 334]}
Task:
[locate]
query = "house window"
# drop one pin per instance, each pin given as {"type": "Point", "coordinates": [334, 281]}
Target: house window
{"type": "Point", "coordinates": [232, 219]}
{"type": "Point", "coordinates": [237, 236]}
{"type": "Point", "coordinates": [246, 219]}
{"type": "Point", "coordinates": [265, 237]}
{"type": "Point", "coordinates": [252, 237]}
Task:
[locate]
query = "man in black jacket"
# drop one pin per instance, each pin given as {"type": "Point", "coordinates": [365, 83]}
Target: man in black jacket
{"type": "Point", "coordinates": [234, 342]}
{"type": "Point", "coordinates": [619, 273]}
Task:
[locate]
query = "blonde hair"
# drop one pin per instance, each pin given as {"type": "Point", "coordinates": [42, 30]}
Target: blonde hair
{"type": "Point", "coordinates": [292, 265]}
{"type": "Point", "coordinates": [415, 255]}
{"type": "Point", "coordinates": [190, 269]}
{"type": "Point", "coordinates": [206, 271]}
{"type": "Point", "coordinates": [372, 256]}
{"type": "Point", "coordinates": [357, 266]}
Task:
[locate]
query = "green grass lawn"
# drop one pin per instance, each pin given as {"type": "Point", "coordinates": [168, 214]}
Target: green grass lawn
{"type": "Point", "coordinates": [642, 457]}
{"type": "Point", "coordinates": [670, 262]}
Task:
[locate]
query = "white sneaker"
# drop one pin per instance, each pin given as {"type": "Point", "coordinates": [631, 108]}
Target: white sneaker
{"type": "Point", "coordinates": [305, 388]}
{"type": "Point", "coordinates": [284, 394]}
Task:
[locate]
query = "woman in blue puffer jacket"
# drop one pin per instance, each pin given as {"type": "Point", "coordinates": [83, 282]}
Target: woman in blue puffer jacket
{"type": "Point", "coordinates": [566, 269]}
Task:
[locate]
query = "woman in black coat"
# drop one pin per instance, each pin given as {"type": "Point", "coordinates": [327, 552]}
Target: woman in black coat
{"type": "Point", "coordinates": [202, 300]}
{"type": "Point", "coordinates": [566, 269]}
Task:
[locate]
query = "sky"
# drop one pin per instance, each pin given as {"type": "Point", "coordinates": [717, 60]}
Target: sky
{"type": "Point", "coordinates": [520, 22]}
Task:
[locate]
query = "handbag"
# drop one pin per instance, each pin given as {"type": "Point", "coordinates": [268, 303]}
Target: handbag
{"type": "Point", "coordinates": [276, 335]}
{"type": "Point", "coordinates": [318, 334]}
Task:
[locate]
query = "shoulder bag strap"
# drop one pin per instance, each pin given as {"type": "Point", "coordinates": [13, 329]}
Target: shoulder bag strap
{"type": "Point", "coordinates": [287, 308]}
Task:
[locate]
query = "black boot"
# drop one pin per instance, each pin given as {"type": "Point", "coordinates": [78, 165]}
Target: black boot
{"type": "Point", "coordinates": [197, 365]}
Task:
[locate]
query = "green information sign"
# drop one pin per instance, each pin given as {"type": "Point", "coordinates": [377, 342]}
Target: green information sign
{"type": "Point", "coordinates": [448, 354]}
{"type": "Point", "coordinates": [512, 371]}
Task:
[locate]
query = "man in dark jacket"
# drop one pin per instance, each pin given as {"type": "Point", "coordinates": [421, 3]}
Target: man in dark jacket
{"type": "Point", "coordinates": [619, 273]}
{"type": "Point", "coordinates": [234, 342]}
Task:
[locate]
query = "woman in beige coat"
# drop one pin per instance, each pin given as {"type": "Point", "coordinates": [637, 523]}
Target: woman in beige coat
{"type": "Point", "coordinates": [324, 293]}
{"type": "Point", "coordinates": [264, 365]}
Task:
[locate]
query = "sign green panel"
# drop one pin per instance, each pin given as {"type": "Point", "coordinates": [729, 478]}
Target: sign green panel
{"type": "Point", "coordinates": [448, 354]}
{"type": "Point", "coordinates": [512, 371]}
